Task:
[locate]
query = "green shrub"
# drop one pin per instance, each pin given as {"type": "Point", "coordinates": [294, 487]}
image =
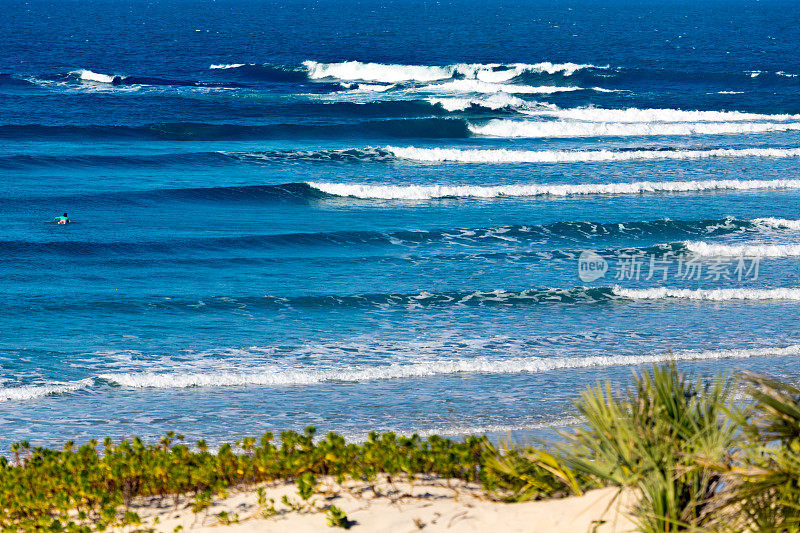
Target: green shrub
{"type": "Point", "coordinates": [657, 438]}
{"type": "Point", "coordinates": [337, 518]}
{"type": "Point", "coordinates": [763, 490]}
{"type": "Point", "coordinates": [92, 487]}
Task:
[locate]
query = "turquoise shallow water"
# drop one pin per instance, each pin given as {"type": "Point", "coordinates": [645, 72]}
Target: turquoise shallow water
{"type": "Point", "coordinates": [283, 217]}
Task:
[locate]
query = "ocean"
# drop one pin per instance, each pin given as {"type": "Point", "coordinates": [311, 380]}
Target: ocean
{"type": "Point", "coordinates": [435, 217]}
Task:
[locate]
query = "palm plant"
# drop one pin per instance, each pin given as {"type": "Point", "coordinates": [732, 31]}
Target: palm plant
{"type": "Point", "coordinates": [657, 439]}
{"type": "Point", "coordinates": [763, 488]}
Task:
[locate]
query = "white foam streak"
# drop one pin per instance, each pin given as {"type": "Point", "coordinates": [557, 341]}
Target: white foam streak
{"type": "Point", "coordinates": [495, 101]}
{"type": "Point", "coordinates": [28, 392]}
{"type": "Point", "coordinates": [226, 66]}
{"type": "Point", "coordinates": [426, 192]}
{"type": "Point", "coordinates": [372, 87]}
{"type": "Point", "coordinates": [563, 128]}
{"type": "Point", "coordinates": [553, 156]}
{"type": "Point", "coordinates": [719, 295]}
{"type": "Point", "coordinates": [88, 75]}
{"type": "Point", "coordinates": [512, 365]}
{"type": "Point", "coordinates": [379, 72]}
{"type": "Point", "coordinates": [635, 115]}
{"type": "Point", "coordinates": [478, 86]}
{"type": "Point", "coordinates": [388, 73]}
{"type": "Point", "coordinates": [777, 223]}
{"type": "Point", "coordinates": [704, 249]}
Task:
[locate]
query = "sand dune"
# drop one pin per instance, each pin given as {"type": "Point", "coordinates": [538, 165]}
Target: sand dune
{"type": "Point", "coordinates": [429, 505]}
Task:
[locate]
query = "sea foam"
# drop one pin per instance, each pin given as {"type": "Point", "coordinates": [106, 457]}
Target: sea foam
{"type": "Point", "coordinates": [568, 128]}
{"type": "Point", "coordinates": [29, 392]}
{"type": "Point", "coordinates": [494, 101]}
{"type": "Point", "coordinates": [478, 86]}
{"type": "Point", "coordinates": [777, 223]}
{"type": "Point", "coordinates": [636, 115]}
{"type": "Point", "coordinates": [88, 75]}
{"type": "Point", "coordinates": [425, 192]}
{"type": "Point", "coordinates": [391, 73]}
{"type": "Point", "coordinates": [661, 293]}
{"type": "Point", "coordinates": [704, 249]}
{"type": "Point", "coordinates": [484, 365]}
{"type": "Point", "coordinates": [573, 156]}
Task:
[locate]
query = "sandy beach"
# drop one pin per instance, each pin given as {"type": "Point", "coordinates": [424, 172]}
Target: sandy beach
{"type": "Point", "coordinates": [431, 505]}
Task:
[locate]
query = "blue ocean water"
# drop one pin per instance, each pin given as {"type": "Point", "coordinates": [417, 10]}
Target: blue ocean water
{"type": "Point", "coordinates": [373, 214]}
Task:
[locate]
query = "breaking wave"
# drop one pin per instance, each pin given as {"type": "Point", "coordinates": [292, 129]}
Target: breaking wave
{"type": "Point", "coordinates": [635, 115]}
{"type": "Point", "coordinates": [494, 102]}
{"type": "Point", "coordinates": [390, 73]}
{"type": "Point", "coordinates": [661, 293]}
{"type": "Point", "coordinates": [479, 365]}
{"type": "Point", "coordinates": [563, 128]}
{"type": "Point", "coordinates": [704, 249]}
{"type": "Point", "coordinates": [88, 75]}
{"type": "Point", "coordinates": [485, 87]}
{"type": "Point", "coordinates": [777, 223]}
{"type": "Point", "coordinates": [427, 192]}
{"type": "Point", "coordinates": [29, 392]}
{"type": "Point", "coordinates": [573, 156]}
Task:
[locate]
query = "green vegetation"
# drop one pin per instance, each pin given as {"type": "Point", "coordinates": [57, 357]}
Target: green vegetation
{"type": "Point", "coordinates": [92, 487]}
{"type": "Point", "coordinates": [337, 518]}
{"type": "Point", "coordinates": [657, 439]}
{"type": "Point", "coordinates": [697, 458]}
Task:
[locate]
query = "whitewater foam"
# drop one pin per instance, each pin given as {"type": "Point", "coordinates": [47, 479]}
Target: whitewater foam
{"type": "Point", "coordinates": [636, 115]}
{"type": "Point", "coordinates": [661, 293]}
{"type": "Point", "coordinates": [379, 72]}
{"type": "Point", "coordinates": [704, 249]}
{"type": "Point", "coordinates": [426, 192]}
{"type": "Point", "coordinates": [573, 156]}
{"type": "Point", "coordinates": [478, 86]}
{"type": "Point", "coordinates": [88, 75]}
{"type": "Point", "coordinates": [392, 73]}
{"type": "Point", "coordinates": [563, 128]}
{"type": "Point", "coordinates": [225, 66]}
{"type": "Point", "coordinates": [777, 223]}
{"type": "Point", "coordinates": [367, 87]}
{"type": "Point", "coordinates": [483, 365]}
{"type": "Point", "coordinates": [29, 392]}
{"type": "Point", "coordinates": [495, 101]}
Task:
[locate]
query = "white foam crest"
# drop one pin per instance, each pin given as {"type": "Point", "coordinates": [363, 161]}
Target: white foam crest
{"type": "Point", "coordinates": [495, 101]}
{"type": "Point", "coordinates": [29, 392]}
{"type": "Point", "coordinates": [471, 430]}
{"type": "Point", "coordinates": [635, 115]}
{"type": "Point", "coordinates": [496, 72]}
{"type": "Point", "coordinates": [573, 156]}
{"type": "Point", "coordinates": [564, 128]}
{"type": "Point", "coordinates": [661, 293]}
{"type": "Point", "coordinates": [730, 92]}
{"type": "Point", "coordinates": [483, 365]}
{"type": "Point", "coordinates": [225, 66]}
{"type": "Point", "coordinates": [380, 72]}
{"type": "Point", "coordinates": [495, 428]}
{"type": "Point", "coordinates": [777, 223]}
{"type": "Point", "coordinates": [88, 75]}
{"type": "Point", "coordinates": [704, 249]}
{"type": "Point", "coordinates": [426, 192]}
{"type": "Point", "coordinates": [392, 73]}
{"type": "Point", "coordinates": [367, 87]}
{"type": "Point", "coordinates": [484, 87]}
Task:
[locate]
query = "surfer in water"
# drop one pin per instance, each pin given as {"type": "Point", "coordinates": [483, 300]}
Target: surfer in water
{"type": "Point", "coordinates": [62, 219]}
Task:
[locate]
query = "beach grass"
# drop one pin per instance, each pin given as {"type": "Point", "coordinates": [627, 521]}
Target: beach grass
{"type": "Point", "coordinates": [700, 455]}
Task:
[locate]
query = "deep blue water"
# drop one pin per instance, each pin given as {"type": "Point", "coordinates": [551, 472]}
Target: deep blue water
{"type": "Point", "coordinates": [371, 215]}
